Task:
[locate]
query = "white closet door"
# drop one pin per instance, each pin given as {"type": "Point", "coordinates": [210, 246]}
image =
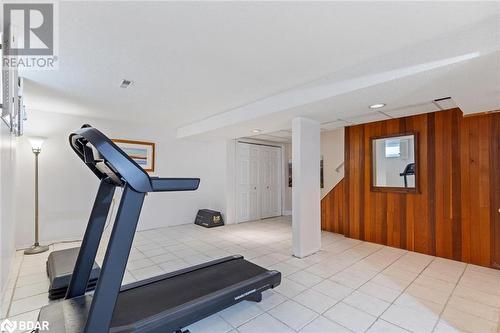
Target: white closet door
{"type": "Point", "coordinates": [270, 171]}
{"type": "Point", "coordinates": [266, 175]}
{"type": "Point", "coordinates": [258, 178]}
{"type": "Point", "coordinates": [275, 182]}
{"type": "Point", "coordinates": [247, 200]}
{"type": "Point", "coordinates": [254, 183]}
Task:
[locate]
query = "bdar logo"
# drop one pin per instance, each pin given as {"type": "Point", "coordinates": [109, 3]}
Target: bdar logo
{"type": "Point", "coordinates": [23, 325]}
{"type": "Point", "coordinates": [7, 326]}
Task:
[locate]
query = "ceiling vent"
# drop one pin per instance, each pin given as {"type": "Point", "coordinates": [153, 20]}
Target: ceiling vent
{"type": "Point", "coordinates": [444, 103]}
{"type": "Point", "coordinates": [126, 83]}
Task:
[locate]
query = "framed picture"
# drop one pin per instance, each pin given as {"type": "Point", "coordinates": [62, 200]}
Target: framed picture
{"type": "Point", "coordinates": [143, 153]}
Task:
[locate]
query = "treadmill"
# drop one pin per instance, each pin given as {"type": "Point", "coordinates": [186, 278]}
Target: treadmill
{"type": "Point", "coordinates": [164, 303]}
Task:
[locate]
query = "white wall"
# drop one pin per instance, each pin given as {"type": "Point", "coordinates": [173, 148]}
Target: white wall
{"type": "Point", "coordinates": [7, 217]}
{"type": "Point", "coordinates": [68, 188]}
{"type": "Point", "coordinates": [230, 189]}
{"type": "Point", "coordinates": [332, 149]}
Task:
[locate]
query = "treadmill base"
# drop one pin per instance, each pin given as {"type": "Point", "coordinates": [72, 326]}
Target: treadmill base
{"type": "Point", "coordinates": [167, 303]}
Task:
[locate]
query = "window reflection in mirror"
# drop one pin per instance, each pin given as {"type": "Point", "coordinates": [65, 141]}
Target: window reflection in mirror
{"type": "Point", "coordinates": [394, 164]}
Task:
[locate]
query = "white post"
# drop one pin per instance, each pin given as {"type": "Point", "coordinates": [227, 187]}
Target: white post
{"type": "Point", "coordinates": [306, 192]}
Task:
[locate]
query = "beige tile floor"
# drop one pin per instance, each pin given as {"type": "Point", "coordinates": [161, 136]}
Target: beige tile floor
{"type": "Point", "coordinates": [349, 286]}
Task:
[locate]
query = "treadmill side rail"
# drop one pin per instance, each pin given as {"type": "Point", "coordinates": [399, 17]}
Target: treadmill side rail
{"type": "Point", "coordinates": [179, 272]}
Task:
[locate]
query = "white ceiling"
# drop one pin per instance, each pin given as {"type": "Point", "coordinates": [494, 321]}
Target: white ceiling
{"type": "Point", "coordinates": [285, 136]}
{"type": "Point", "coordinates": [208, 68]}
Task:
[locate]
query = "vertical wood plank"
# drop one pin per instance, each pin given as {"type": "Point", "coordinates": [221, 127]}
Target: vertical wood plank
{"type": "Point", "coordinates": [456, 188]}
{"type": "Point", "coordinates": [347, 177]}
{"type": "Point", "coordinates": [465, 186]}
{"type": "Point", "coordinates": [431, 181]}
{"type": "Point", "coordinates": [495, 190]}
{"type": "Point", "coordinates": [484, 193]}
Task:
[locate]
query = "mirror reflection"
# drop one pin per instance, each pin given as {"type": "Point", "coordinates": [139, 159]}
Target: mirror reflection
{"type": "Point", "coordinates": [394, 162]}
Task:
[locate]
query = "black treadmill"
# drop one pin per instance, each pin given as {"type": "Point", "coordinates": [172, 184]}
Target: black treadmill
{"type": "Point", "coordinates": [165, 303]}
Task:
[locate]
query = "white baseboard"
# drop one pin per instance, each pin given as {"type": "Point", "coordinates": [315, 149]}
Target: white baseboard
{"type": "Point", "coordinates": [287, 213]}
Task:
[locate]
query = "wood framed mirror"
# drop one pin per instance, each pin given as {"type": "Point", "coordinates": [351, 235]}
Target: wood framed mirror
{"type": "Point", "coordinates": [395, 163]}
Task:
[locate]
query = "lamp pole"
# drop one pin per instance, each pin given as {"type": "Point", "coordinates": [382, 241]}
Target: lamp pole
{"type": "Point", "coordinates": [36, 247]}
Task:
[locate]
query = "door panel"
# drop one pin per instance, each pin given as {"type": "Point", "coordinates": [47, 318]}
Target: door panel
{"type": "Point", "coordinates": [254, 183]}
{"type": "Point", "coordinates": [275, 182]}
{"type": "Point", "coordinates": [265, 182]}
{"type": "Point", "coordinates": [271, 181]}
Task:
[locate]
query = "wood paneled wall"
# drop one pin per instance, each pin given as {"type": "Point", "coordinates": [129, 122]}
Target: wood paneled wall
{"type": "Point", "coordinates": [332, 207]}
{"type": "Point", "coordinates": [455, 215]}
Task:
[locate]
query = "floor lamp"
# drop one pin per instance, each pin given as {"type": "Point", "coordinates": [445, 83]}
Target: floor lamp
{"type": "Point", "coordinates": [36, 147]}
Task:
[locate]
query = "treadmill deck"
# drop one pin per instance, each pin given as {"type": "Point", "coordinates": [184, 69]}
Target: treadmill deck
{"type": "Point", "coordinates": [171, 301]}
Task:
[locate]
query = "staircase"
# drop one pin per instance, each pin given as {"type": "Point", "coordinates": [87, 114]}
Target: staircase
{"type": "Point", "coordinates": [332, 209]}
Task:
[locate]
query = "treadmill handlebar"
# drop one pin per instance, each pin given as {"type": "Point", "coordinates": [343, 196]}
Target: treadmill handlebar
{"type": "Point", "coordinates": [108, 161]}
{"type": "Point", "coordinates": [174, 184]}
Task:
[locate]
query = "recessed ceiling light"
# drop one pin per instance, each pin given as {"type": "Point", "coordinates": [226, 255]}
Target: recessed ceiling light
{"type": "Point", "coordinates": [377, 106]}
{"type": "Point", "coordinates": [126, 83]}
{"type": "Point", "coordinates": [256, 130]}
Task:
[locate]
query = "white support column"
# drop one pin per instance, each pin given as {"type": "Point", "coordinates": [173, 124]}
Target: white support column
{"type": "Point", "coordinates": [306, 193]}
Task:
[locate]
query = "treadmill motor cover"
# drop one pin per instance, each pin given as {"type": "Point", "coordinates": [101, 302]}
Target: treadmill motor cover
{"type": "Point", "coordinates": [60, 266]}
{"type": "Point", "coordinates": [209, 218]}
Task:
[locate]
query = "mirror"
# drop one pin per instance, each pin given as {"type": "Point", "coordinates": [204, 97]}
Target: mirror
{"type": "Point", "coordinates": [394, 163]}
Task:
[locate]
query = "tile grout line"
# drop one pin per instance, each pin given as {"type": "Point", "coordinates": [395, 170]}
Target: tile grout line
{"type": "Point", "coordinates": [448, 299]}
{"type": "Point", "coordinates": [13, 291]}
{"type": "Point", "coordinates": [402, 292]}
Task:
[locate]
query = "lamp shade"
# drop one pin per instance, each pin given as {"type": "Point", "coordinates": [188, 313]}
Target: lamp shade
{"type": "Point", "coordinates": [36, 142]}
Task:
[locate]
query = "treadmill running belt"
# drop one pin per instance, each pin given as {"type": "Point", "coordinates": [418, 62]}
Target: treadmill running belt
{"type": "Point", "coordinates": [147, 300]}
